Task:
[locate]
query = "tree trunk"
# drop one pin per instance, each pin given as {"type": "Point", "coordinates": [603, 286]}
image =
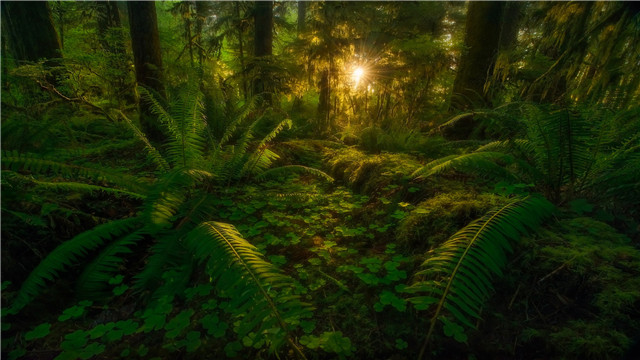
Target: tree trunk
{"type": "Point", "coordinates": [323, 103]}
{"type": "Point", "coordinates": [30, 30]}
{"type": "Point", "coordinates": [302, 14]}
{"type": "Point", "coordinates": [510, 25]}
{"type": "Point", "coordinates": [200, 16]}
{"type": "Point", "coordinates": [108, 17]}
{"type": "Point", "coordinates": [145, 43]}
{"type": "Point", "coordinates": [245, 90]}
{"type": "Point", "coordinates": [263, 41]}
{"type": "Point", "coordinates": [482, 38]}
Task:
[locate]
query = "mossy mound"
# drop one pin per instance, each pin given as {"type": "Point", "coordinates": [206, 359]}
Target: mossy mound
{"type": "Point", "coordinates": [303, 152]}
{"type": "Point", "coordinates": [574, 293]}
{"type": "Point", "coordinates": [436, 219]}
{"type": "Point", "coordinates": [369, 174]}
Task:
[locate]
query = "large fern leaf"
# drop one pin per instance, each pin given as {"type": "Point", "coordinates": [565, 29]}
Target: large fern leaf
{"type": "Point", "coordinates": [16, 161]}
{"type": "Point", "coordinates": [295, 169]}
{"type": "Point", "coordinates": [457, 275]}
{"type": "Point", "coordinates": [262, 292]}
{"type": "Point", "coordinates": [69, 253]}
{"type": "Point", "coordinates": [482, 163]}
{"type": "Point", "coordinates": [95, 277]}
{"type": "Point", "coordinates": [152, 152]}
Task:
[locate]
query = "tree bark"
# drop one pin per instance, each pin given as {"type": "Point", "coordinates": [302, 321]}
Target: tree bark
{"type": "Point", "coordinates": [510, 24]}
{"type": "Point", "coordinates": [30, 31]}
{"type": "Point", "coordinates": [482, 38]}
{"type": "Point", "coordinates": [324, 103]}
{"type": "Point", "coordinates": [263, 42]}
{"type": "Point", "coordinates": [145, 43]}
{"type": "Point", "coordinates": [302, 14]}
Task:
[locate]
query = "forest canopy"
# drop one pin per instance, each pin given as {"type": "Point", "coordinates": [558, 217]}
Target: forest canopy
{"type": "Point", "coordinates": [320, 179]}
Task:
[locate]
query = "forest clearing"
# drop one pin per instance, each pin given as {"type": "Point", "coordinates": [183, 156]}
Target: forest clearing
{"type": "Point", "coordinates": [320, 180]}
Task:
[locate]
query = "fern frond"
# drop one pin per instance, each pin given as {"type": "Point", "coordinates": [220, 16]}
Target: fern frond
{"type": "Point", "coordinates": [482, 163]}
{"type": "Point", "coordinates": [70, 252]}
{"type": "Point", "coordinates": [238, 119]}
{"type": "Point", "coordinates": [240, 272]}
{"type": "Point", "coordinates": [295, 169]}
{"type": "Point", "coordinates": [16, 161]}
{"type": "Point", "coordinates": [259, 162]}
{"type": "Point", "coordinates": [95, 277]}
{"type": "Point", "coordinates": [158, 109]}
{"type": "Point", "coordinates": [458, 273]}
{"type": "Point", "coordinates": [169, 193]}
{"type": "Point", "coordinates": [166, 253]}
{"type": "Point", "coordinates": [270, 136]}
{"type": "Point", "coordinates": [187, 141]}
{"type": "Point", "coordinates": [74, 186]}
{"type": "Point", "coordinates": [152, 152]}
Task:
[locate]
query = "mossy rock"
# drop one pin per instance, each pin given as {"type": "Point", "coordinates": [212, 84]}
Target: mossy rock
{"type": "Point", "coordinates": [434, 220]}
{"type": "Point", "coordinates": [369, 174]}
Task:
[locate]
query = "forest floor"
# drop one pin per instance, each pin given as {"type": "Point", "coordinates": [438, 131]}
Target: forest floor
{"type": "Point", "coordinates": [352, 247]}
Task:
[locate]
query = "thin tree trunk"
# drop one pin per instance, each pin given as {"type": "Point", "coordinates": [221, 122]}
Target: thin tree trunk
{"type": "Point", "coordinates": [245, 90]}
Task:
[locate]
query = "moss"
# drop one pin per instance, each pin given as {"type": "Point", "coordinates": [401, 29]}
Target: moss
{"type": "Point", "coordinates": [574, 293]}
{"type": "Point", "coordinates": [436, 219]}
{"type": "Point", "coordinates": [370, 173]}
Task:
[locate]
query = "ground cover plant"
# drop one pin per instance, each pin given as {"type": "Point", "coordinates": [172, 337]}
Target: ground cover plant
{"type": "Point", "coordinates": [320, 180]}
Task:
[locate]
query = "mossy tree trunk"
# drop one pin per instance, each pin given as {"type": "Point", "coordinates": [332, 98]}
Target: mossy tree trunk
{"type": "Point", "coordinates": [31, 35]}
{"type": "Point", "coordinates": [482, 39]}
{"type": "Point", "coordinates": [145, 43]}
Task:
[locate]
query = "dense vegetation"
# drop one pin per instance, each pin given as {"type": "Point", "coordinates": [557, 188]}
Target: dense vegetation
{"type": "Point", "coordinates": [311, 180]}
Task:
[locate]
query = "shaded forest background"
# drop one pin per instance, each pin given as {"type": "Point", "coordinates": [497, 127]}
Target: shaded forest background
{"type": "Point", "coordinates": [293, 179]}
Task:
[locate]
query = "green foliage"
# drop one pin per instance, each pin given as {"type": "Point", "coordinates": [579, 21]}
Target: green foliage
{"type": "Point", "coordinates": [258, 288]}
{"type": "Point", "coordinates": [67, 254]}
{"type": "Point", "coordinates": [434, 220]}
{"type": "Point", "coordinates": [458, 273]}
{"type": "Point", "coordinates": [563, 153]}
{"type": "Point", "coordinates": [369, 174]}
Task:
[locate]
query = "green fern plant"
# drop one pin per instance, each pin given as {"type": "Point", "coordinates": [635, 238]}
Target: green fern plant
{"type": "Point", "coordinates": [565, 153]}
{"type": "Point", "coordinates": [456, 277]}
{"type": "Point", "coordinates": [176, 215]}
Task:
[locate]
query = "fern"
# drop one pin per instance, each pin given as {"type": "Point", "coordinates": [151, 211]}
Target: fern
{"type": "Point", "coordinates": [152, 152]}
{"type": "Point", "coordinates": [68, 254]}
{"type": "Point", "coordinates": [254, 285]}
{"type": "Point", "coordinates": [97, 274]}
{"type": "Point", "coordinates": [482, 162]}
{"type": "Point", "coordinates": [75, 186]}
{"type": "Point", "coordinates": [283, 170]}
{"type": "Point", "coordinates": [16, 161]}
{"type": "Point", "coordinates": [458, 274]}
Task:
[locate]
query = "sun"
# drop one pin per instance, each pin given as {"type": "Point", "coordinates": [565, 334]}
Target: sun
{"type": "Point", "coordinates": [357, 75]}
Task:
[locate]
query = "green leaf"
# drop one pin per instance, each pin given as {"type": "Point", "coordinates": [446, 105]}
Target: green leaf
{"type": "Point", "coordinates": [176, 325]}
{"type": "Point", "coordinates": [40, 331]}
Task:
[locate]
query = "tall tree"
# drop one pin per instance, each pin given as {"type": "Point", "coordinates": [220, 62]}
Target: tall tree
{"type": "Point", "coordinates": [145, 43]}
{"type": "Point", "coordinates": [302, 15]}
{"type": "Point", "coordinates": [263, 41]}
{"type": "Point", "coordinates": [108, 18]}
{"type": "Point", "coordinates": [30, 31]}
{"type": "Point", "coordinates": [482, 39]}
